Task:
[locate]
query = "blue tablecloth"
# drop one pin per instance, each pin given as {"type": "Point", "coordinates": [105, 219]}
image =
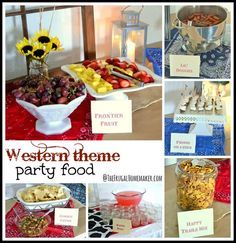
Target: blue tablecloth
{"type": "Point", "coordinates": [205, 145]}
{"type": "Point", "coordinates": [214, 64]}
{"type": "Point", "coordinates": [154, 55]}
{"type": "Point", "coordinates": [78, 191]}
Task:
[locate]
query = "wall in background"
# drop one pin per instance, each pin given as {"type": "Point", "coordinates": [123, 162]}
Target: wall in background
{"type": "Point", "coordinates": [67, 26]}
{"type": "Point", "coordinates": [173, 91]}
{"type": "Point", "coordinates": [152, 15]}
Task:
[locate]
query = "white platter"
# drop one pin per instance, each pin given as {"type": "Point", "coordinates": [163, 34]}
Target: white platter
{"type": "Point", "coordinates": [114, 92]}
{"type": "Point", "coordinates": [38, 206]}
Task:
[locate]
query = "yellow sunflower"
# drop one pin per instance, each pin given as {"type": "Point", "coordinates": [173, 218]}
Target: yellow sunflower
{"type": "Point", "coordinates": [24, 47]}
{"type": "Point", "coordinates": [42, 36]}
{"type": "Point", "coordinates": [40, 51]}
{"type": "Point", "coordinates": [56, 44]}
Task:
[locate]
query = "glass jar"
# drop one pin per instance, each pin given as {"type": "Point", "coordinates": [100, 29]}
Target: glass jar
{"type": "Point", "coordinates": [38, 68]}
{"type": "Point", "coordinates": [116, 213]}
{"type": "Point", "coordinates": [143, 219]}
{"type": "Point", "coordinates": [135, 219]}
{"type": "Point", "coordinates": [195, 183]}
{"type": "Point", "coordinates": [93, 195]}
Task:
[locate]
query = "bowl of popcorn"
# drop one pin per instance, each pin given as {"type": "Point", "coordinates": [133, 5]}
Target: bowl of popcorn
{"type": "Point", "coordinates": [50, 101]}
{"type": "Point", "coordinates": [195, 183]}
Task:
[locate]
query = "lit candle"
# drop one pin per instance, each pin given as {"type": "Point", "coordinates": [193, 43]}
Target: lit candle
{"type": "Point", "coordinates": [116, 46]}
{"type": "Point", "coordinates": [130, 50]}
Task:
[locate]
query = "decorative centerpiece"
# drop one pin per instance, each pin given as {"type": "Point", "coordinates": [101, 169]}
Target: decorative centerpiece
{"type": "Point", "coordinates": [49, 99]}
{"type": "Point", "coordinates": [129, 36]}
{"type": "Point", "coordinates": [37, 49]}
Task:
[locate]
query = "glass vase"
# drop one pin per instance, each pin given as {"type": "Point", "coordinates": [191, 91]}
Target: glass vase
{"type": "Point", "coordinates": [38, 68]}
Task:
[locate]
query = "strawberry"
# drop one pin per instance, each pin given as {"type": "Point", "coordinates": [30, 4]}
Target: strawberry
{"type": "Point", "coordinates": [94, 65]}
{"type": "Point", "coordinates": [145, 78]}
{"type": "Point", "coordinates": [99, 71]}
{"type": "Point", "coordinates": [151, 79]}
{"type": "Point", "coordinates": [143, 73]}
{"type": "Point", "coordinates": [137, 75]}
{"type": "Point", "coordinates": [104, 72]}
{"type": "Point", "coordinates": [115, 86]}
{"type": "Point", "coordinates": [122, 65]}
{"type": "Point", "coordinates": [114, 81]}
{"type": "Point", "coordinates": [120, 79]}
{"type": "Point", "coordinates": [86, 62]}
{"type": "Point", "coordinates": [124, 83]}
{"type": "Point", "coordinates": [109, 60]}
{"type": "Point", "coordinates": [116, 60]}
{"type": "Point", "coordinates": [133, 66]}
{"type": "Point", "coordinates": [105, 76]}
{"type": "Point", "coordinates": [115, 63]}
{"type": "Point", "coordinates": [109, 78]}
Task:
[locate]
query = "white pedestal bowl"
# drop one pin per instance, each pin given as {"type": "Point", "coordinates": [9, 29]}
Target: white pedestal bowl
{"type": "Point", "coordinates": [52, 119]}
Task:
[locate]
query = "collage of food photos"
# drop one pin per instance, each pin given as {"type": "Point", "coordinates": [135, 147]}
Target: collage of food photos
{"type": "Point", "coordinates": [117, 121]}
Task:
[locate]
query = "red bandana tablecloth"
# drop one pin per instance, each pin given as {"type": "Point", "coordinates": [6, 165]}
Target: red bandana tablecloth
{"type": "Point", "coordinates": [53, 231]}
{"type": "Point", "coordinates": [222, 188]}
{"type": "Point", "coordinates": [20, 124]}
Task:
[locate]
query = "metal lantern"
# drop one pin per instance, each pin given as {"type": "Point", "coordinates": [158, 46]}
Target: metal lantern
{"type": "Point", "coordinates": [129, 36]}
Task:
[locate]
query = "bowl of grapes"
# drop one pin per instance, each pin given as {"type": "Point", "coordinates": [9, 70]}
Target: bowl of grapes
{"type": "Point", "coordinates": [50, 100]}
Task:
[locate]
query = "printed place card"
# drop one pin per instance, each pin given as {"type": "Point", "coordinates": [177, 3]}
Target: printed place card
{"type": "Point", "coordinates": [66, 216]}
{"type": "Point", "coordinates": [182, 143]}
{"type": "Point", "coordinates": [184, 66]}
{"type": "Point", "coordinates": [122, 226]}
{"type": "Point", "coordinates": [111, 116]}
{"type": "Point", "coordinates": [196, 223]}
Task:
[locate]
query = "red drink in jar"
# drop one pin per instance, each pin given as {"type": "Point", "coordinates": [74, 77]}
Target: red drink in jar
{"type": "Point", "coordinates": [128, 198]}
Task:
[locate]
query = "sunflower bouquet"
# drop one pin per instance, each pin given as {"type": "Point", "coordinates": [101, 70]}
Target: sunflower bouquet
{"type": "Point", "coordinates": [37, 48]}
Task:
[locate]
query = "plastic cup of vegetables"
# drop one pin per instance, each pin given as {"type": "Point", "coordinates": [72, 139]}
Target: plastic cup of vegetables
{"type": "Point", "coordinates": [32, 224]}
{"type": "Point", "coordinates": [51, 102]}
{"type": "Point", "coordinates": [129, 197]}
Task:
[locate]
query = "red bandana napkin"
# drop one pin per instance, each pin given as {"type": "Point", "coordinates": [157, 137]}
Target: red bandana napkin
{"type": "Point", "coordinates": [20, 124]}
{"type": "Point", "coordinates": [222, 188]}
{"type": "Point", "coordinates": [53, 231]}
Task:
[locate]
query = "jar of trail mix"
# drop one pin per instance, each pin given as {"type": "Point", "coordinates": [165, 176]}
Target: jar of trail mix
{"type": "Point", "coordinates": [195, 183]}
